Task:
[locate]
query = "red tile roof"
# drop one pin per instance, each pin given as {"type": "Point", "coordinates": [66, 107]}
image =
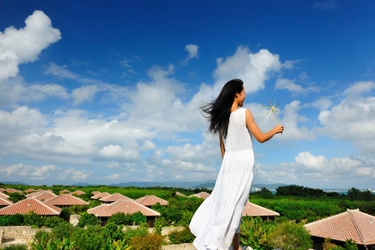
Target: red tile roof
{"type": "Point", "coordinates": [4, 195]}
{"type": "Point", "coordinates": [124, 206]}
{"type": "Point", "coordinates": [255, 210]}
{"type": "Point", "coordinates": [114, 197]}
{"type": "Point", "coordinates": [30, 204]}
{"type": "Point", "coordinates": [12, 190]}
{"type": "Point", "coordinates": [29, 190]}
{"type": "Point", "coordinates": [100, 195]}
{"type": "Point", "coordinates": [66, 200]}
{"type": "Point", "coordinates": [150, 200]}
{"type": "Point", "coordinates": [42, 195]}
{"type": "Point", "coordinates": [202, 195]}
{"type": "Point", "coordinates": [5, 201]}
{"type": "Point", "coordinates": [352, 224]}
{"type": "Point", "coordinates": [78, 192]}
{"type": "Point", "coordinates": [180, 194]}
{"type": "Point", "coordinates": [65, 191]}
{"type": "Point", "coordinates": [96, 192]}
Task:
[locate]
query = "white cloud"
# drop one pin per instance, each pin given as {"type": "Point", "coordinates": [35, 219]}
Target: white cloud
{"type": "Point", "coordinates": [73, 175]}
{"type": "Point", "coordinates": [85, 93]}
{"type": "Point", "coordinates": [25, 44]}
{"type": "Point", "coordinates": [253, 68]}
{"type": "Point", "coordinates": [360, 88]}
{"type": "Point", "coordinates": [287, 84]}
{"type": "Point", "coordinates": [310, 170]}
{"type": "Point", "coordinates": [116, 152]}
{"type": "Point", "coordinates": [21, 172]}
{"type": "Point", "coordinates": [351, 120]}
{"type": "Point", "coordinates": [322, 104]}
{"type": "Point", "coordinates": [193, 51]}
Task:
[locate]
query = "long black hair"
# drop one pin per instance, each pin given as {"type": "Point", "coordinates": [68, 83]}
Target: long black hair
{"type": "Point", "coordinates": [218, 111]}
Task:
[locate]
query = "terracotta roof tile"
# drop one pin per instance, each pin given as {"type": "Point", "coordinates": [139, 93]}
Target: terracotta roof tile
{"type": "Point", "coordinates": [5, 201]}
{"type": "Point", "coordinates": [30, 190]}
{"type": "Point", "coordinates": [124, 206]}
{"type": "Point", "coordinates": [66, 200]}
{"type": "Point", "coordinates": [42, 195]}
{"type": "Point", "coordinates": [352, 224]}
{"type": "Point", "coordinates": [202, 195]}
{"type": "Point", "coordinates": [65, 191]}
{"type": "Point", "coordinates": [4, 195]}
{"type": "Point", "coordinates": [30, 204]}
{"type": "Point", "coordinates": [254, 210]}
{"type": "Point", "coordinates": [96, 192]}
{"type": "Point", "coordinates": [114, 197]}
{"type": "Point", "coordinates": [12, 190]}
{"type": "Point", "coordinates": [100, 195]}
{"type": "Point", "coordinates": [180, 194]}
{"type": "Point", "coordinates": [78, 192]}
{"type": "Point", "coordinates": [150, 200]}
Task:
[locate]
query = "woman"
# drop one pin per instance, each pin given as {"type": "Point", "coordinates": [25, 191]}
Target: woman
{"type": "Point", "coordinates": [216, 223]}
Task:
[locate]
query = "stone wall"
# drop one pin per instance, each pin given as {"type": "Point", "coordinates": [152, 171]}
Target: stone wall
{"type": "Point", "coordinates": [16, 235]}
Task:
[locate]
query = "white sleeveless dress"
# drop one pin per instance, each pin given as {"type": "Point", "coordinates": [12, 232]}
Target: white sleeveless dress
{"type": "Point", "coordinates": [219, 216]}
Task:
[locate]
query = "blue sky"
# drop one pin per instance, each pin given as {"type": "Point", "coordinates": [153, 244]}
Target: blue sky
{"type": "Point", "coordinates": [106, 92]}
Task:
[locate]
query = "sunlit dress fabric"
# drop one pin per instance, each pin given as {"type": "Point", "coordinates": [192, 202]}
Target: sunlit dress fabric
{"type": "Point", "coordinates": [218, 218]}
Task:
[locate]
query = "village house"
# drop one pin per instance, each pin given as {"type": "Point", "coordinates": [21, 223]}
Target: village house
{"type": "Point", "coordinates": [351, 224]}
{"type": "Point", "coordinates": [114, 197]}
{"type": "Point", "coordinates": [126, 206]}
{"type": "Point", "coordinates": [29, 205]}
{"type": "Point", "coordinates": [66, 200]}
{"type": "Point", "coordinates": [255, 210]}
{"type": "Point", "coordinates": [150, 200]}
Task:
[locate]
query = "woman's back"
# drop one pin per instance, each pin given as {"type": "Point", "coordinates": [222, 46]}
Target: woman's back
{"type": "Point", "coordinates": [238, 137]}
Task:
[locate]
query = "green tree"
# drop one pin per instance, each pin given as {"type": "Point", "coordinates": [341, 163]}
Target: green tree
{"type": "Point", "coordinates": [289, 235]}
{"type": "Point", "coordinates": [121, 219]}
{"type": "Point", "coordinates": [138, 218]}
{"type": "Point", "coordinates": [87, 219]}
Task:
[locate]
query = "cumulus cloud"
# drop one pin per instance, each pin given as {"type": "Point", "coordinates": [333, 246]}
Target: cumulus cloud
{"type": "Point", "coordinates": [253, 68]}
{"type": "Point", "coordinates": [351, 120]}
{"type": "Point", "coordinates": [309, 170]}
{"type": "Point", "coordinates": [21, 172]}
{"type": "Point", "coordinates": [24, 45]}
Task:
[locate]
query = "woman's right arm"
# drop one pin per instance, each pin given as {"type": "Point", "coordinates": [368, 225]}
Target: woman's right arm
{"type": "Point", "coordinates": [222, 146]}
{"type": "Point", "coordinates": [257, 133]}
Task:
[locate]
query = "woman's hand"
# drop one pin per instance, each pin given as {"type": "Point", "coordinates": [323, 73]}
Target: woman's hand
{"type": "Point", "coordinates": [278, 129]}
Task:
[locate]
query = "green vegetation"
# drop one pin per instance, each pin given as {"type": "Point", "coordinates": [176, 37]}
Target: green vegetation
{"type": "Point", "coordinates": [297, 205]}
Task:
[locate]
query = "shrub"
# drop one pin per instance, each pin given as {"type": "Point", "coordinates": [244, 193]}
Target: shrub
{"type": "Point", "coordinates": [121, 219]}
{"type": "Point", "coordinates": [63, 230]}
{"type": "Point", "coordinates": [254, 231]}
{"type": "Point", "coordinates": [88, 239]}
{"type": "Point", "coordinates": [181, 236]}
{"type": "Point", "coordinates": [112, 231]}
{"type": "Point", "coordinates": [11, 220]}
{"type": "Point", "coordinates": [87, 219]}
{"type": "Point", "coordinates": [149, 241]}
{"type": "Point", "coordinates": [289, 235]}
{"type": "Point", "coordinates": [52, 221]}
{"type": "Point", "coordinates": [138, 218]}
{"type": "Point", "coordinates": [15, 247]}
{"type": "Point", "coordinates": [33, 219]}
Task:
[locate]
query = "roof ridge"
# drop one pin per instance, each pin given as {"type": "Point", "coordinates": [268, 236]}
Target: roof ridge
{"type": "Point", "coordinates": [356, 225]}
{"type": "Point", "coordinates": [48, 206]}
{"type": "Point", "coordinates": [269, 210]}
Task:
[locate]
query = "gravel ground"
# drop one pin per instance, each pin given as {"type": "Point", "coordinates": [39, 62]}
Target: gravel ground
{"type": "Point", "coordinates": [187, 246]}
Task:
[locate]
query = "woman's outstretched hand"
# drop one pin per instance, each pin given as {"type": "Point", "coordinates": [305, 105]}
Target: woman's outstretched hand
{"type": "Point", "coordinates": [279, 129]}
